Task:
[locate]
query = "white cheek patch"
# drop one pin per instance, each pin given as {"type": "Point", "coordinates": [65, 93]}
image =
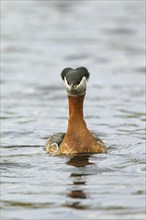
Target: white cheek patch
{"type": "Point", "coordinates": [79, 90]}
{"type": "Point", "coordinates": [82, 83]}
{"type": "Point", "coordinates": [68, 87]}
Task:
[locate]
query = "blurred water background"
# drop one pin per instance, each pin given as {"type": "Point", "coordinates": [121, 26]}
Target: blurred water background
{"type": "Point", "coordinates": [40, 38]}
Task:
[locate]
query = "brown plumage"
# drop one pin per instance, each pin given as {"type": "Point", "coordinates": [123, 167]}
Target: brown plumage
{"type": "Point", "coordinates": [78, 139]}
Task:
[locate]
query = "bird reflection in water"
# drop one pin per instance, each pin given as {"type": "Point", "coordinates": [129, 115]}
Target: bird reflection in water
{"type": "Point", "coordinates": [79, 179]}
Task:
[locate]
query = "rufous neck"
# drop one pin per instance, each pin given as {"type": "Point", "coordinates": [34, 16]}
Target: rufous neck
{"type": "Point", "coordinates": [76, 106]}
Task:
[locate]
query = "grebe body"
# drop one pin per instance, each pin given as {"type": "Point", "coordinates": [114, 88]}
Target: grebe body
{"type": "Point", "coordinates": [77, 139]}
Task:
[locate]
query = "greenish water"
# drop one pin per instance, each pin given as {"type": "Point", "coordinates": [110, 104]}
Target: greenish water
{"type": "Point", "coordinates": [39, 39]}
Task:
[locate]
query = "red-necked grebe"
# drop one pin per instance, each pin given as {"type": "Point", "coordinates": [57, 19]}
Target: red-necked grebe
{"type": "Point", "coordinates": [77, 139]}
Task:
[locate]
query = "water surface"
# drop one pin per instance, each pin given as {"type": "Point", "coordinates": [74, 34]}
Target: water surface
{"type": "Point", "coordinates": [39, 39]}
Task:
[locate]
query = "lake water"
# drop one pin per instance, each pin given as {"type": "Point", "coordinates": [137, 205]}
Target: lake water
{"type": "Point", "coordinates": [39, 39]}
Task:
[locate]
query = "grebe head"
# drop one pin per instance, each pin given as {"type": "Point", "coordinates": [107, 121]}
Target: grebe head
{"type": "Point", "coordinates": [75, 80]}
